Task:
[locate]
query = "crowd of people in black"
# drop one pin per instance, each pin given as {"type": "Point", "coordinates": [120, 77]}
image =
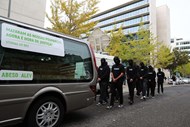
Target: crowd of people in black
{"type": "Point", "coordinates": [141, 77]}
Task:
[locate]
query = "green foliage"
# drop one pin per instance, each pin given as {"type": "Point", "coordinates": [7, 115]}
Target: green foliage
{"type": "Point", "coordinates": [116, 45]}
{"type": "Point", "coordinates": [180, 58]}
{"type": "Point", "coordinates": [164, 57]}
{"type": "Point", "coordinates": [141, 48]}
{"type": "Point", "coordinates": [184, 69]}
{"type": "Point", "coordinates": [72, 17]}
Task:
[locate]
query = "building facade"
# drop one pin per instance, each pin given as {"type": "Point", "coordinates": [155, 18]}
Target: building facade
{"type": "Point", "coordinates": [28, 11]}
{"type": "Point", "coordinates": [130, 15]}
{"type": "Point", "coordinates": [180, 44]}
{"type": "Point", "coordinates": [99, 40]}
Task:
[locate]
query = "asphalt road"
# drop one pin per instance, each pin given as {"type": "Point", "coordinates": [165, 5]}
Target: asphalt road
{"type": "Point", "coordinates": [172, 109]}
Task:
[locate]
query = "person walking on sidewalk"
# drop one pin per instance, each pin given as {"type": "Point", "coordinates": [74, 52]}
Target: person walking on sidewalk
{"type": "Point", "coordinates": [143, 71]}
{"type": "Point", "coordinates": [160, 80]}
{"type": "Point", "coordinates": [131, 76]}
{"type": "Point", "coordinates": [151, 81]}
{"type": "Point", "coordinates": [117, 73]}
{"type": "Point", "coordinates": [174, 79]}
{"type": "Point", "coordinates": [103, 79]}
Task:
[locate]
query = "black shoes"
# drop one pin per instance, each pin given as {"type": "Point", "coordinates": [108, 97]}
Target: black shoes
{"type": "Point", "coordinates": [131, 102]}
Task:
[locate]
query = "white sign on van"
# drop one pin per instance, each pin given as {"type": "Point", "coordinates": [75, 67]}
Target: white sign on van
{"type": "Point", "coordinates": [29, 40]}
{"type": "Point", "coordinates": [16, 75]}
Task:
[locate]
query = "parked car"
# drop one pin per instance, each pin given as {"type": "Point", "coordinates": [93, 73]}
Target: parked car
{"type": "Point", "coordinates": [170, 81]}
{"type": "Point", "coordinates": [186, 80]}
{"type": "Point", "coordinates": [178, 81]}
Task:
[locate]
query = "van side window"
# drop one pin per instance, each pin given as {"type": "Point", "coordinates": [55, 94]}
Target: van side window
{"type": "Point", "coordinates": [75, 66]}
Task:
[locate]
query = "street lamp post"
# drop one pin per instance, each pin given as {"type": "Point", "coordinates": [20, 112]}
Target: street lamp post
{"type": "Point", "coordinates": [9, 9]}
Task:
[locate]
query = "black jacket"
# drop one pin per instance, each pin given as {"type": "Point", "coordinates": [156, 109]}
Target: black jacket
{"type": "Point", "coordinates": [160, 77]}
{"type": "Point", "coordinates": [151, 76]}
{"type": "Point", "coordinates": [104, 73]}
{"type": "Point", "coordinates": [143, 71]}
{"type": "Point", "coordinates": [131, 72]}
{"type": "Point", "coordinates": [117, 70]}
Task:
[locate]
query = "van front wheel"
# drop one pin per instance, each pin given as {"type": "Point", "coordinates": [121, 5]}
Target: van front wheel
{"type": "Point", "coordinates": [46, 112]}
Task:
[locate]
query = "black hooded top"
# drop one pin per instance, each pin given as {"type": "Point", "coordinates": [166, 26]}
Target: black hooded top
{"type": "Point", "coordinates": [151, 74]}
{"type": "Point", "coordinates": [117, 69]}
{"type": "Point", "coordinates": [143, 71]}
{"type": "Point", "coordinates": [104, 71]}
{"type": "Point", "coordinates": [131, 71]}
{"type": "Point", "coordinates": [160, 76]}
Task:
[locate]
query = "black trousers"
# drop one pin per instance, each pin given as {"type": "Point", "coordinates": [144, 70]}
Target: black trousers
{"type": "Point", "coordinates": [119, 87]}
{"type": "Point", "coordinates": [138, 87]}
{"type": "Point", "coordinates": [151, 86]}
{"type": "Point", "coordinates": [160, 84]}
{"type": "Point", "coordinates": [131, 86]}
{"type": "Point", "coordinates": [103, 91]}
{"type": "Point", "coordinates": [143, 86]}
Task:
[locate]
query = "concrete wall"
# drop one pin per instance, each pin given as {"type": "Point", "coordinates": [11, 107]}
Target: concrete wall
{"type": "Point", "coordinates": [163, 24]}
{"type": "Point", "coordinates": [28, 11]}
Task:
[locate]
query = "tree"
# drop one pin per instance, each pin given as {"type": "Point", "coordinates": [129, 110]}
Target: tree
{"type": "Point", "coordinates": [164, 57]}
{"type": "Point", "coordinates": [72, 17]}
{"type": "Point", "coordinates": [184, 69]}
{"type": "Point", "coordinates": [180, 58]}
{"type": "Point", "coordinates": [140, 48]}
{"type": "Point", "coordinates": [116, 46]}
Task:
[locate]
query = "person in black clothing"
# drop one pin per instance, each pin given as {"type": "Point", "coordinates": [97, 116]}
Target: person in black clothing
{"type": "Point", "coordinates": [151, 81]}
{"type": "Point", "coordinates": [160, 80]}
{"type": "Point", "coordinates": [117, 73]}
{"type": "Point", "coordinates": [143, 71]}
{"type": "Point", "coordinates": [137, 81]}
{"type": "Point", "coordinates": [103, 78]}
{"type": "Point", "coordinates": [131, 76]}
{"type": "Point", "coordinates": [174, 79]}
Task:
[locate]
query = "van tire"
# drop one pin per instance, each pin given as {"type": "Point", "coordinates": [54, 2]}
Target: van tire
{"type": "Point", "coordinates": [54, 106]}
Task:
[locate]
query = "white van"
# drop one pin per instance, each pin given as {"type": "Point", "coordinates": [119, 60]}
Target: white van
{"type": "Point", "coordinates": [110, 63]}
{"type": "Point", "coordinates": [108, 58]}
